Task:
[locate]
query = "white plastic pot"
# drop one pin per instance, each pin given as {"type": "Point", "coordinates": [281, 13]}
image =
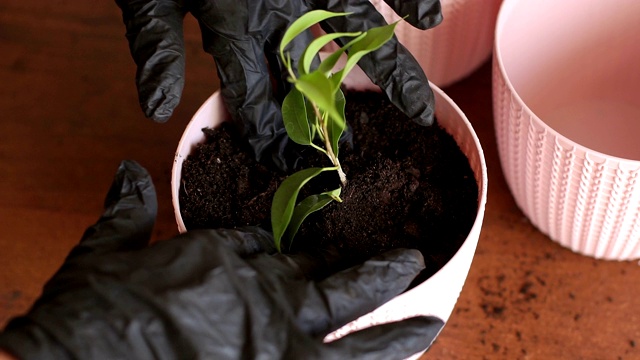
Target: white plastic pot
{"type": "Point", "coordinates": [566, 88]}
{"type": "Point", "coordinates": [435, 296]}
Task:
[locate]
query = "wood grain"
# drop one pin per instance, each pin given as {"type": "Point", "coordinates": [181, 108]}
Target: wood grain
{"type": "Point", "coordinates": [69, 115]}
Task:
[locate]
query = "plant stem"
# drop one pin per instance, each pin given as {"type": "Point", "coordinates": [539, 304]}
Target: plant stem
{"type": "Point", "coordinates": [289, 68]}
{"type": "Point", "coordinates": [327, 144]}
{"type": "Point", "coordinates": [324, 132]}
{"type": "Point", "coordinates": [341, 174]}
{"type": "Point", "coordinates": [319, 149]}
{"type": "Point", "coordinates": [322, 129]}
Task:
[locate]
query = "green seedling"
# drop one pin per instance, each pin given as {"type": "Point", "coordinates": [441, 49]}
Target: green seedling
{"type": "Point", "coordinates": [313, 114]}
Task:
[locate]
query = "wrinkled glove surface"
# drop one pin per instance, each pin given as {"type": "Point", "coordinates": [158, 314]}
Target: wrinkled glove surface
{"type": "Point", "coordinates": [214, 294]}
{"type": "Point", "coordinates": [243, 36]}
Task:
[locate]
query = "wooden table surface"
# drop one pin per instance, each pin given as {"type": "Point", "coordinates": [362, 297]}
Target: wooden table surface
{"type": "Point", "coordinates": [69, 115]}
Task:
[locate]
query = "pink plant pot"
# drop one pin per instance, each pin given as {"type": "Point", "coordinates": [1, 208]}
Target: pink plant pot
{"type": "Point", "coordinates": [448, 281]}
{"type": "Point", "coordinates": [567, 118]}
{"type": "Point", "coordinates": [455, 48]}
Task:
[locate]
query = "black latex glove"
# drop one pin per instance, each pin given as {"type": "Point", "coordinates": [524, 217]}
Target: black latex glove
{"type": "Point", "coordinates": [241, 34]}
{"type": "Point", "coordinates": [215, 294]}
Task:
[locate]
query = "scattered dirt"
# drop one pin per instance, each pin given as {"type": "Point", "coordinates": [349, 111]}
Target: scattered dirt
{"type": "Point", "coordinates": [408, 186]}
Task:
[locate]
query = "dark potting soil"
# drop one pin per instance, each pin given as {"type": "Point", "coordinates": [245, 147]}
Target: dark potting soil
{"type": "Point", "coordinates": [408, 186]}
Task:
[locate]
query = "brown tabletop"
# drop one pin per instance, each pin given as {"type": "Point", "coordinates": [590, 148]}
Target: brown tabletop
{"type": "Point", "coordinates": [69, 115]}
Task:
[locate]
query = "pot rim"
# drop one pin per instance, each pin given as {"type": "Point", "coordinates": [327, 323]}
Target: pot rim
{"type": "Point", "coordinates": [450, 277]}
{"type": "Point", "coordinates": [215, 100]}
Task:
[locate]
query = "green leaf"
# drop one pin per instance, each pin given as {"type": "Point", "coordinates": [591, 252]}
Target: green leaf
{"type": "Point", "coordinates": [312, 119]}
{"type": "Point", "coordinates": [303, 23]}
{"type": "Point", "coordinates": [284, 200]}
{"type": "Point", "coordinates": [307, 206]}
{"type": "Point", "coordinates": [319, 90]}
{"type": "Point", "coordinates": [330, 61]}
{"type": "Point", "coordinates": [337, 125]}
{"type": "Point", "coordinates": [294, 116]}
{"type": "Point", "coordinates": [374, 38]}
{"type": "Point", "coordinates": [304, 65]}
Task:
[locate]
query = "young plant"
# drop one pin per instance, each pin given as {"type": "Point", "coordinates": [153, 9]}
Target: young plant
{"type": "Point", "coordinates": [313, 114]}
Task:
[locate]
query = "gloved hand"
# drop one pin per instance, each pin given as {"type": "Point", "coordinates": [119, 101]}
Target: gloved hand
{"type": "Point", "coordinates": [242, 34]}
{"type": "Point", "coordinates": [214, 294]}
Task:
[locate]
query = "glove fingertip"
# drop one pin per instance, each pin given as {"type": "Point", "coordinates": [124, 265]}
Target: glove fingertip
{"type": "Point", "coordinates": [410, 260]}
{"type": "Point", "coordinates": [160, 103]}
{"type": "Point", "coordinates": [396, 340]}
{"type": "Point", "coordinates": [354, 292]}
{"type": "Point", "coordinates": [160, 81]}
{"type": "Point", "coordinates": [427, 117]}
{"type": "Point", "coordinates": [430, 19]}
{"type": "Point", "coordinates": [421, 14]}
{"type": "Point", "coordinates": [130, 210]}
{"type": "Point", "coordinates": [131, 179]}
{"type": "Point", "coordinates": [132, 167]}
{"type": "Point", "coordinates": [160, 106]}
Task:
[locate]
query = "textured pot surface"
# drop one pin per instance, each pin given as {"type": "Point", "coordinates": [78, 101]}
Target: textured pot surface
{"type": "Point", "coordinates": [566, 105]}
